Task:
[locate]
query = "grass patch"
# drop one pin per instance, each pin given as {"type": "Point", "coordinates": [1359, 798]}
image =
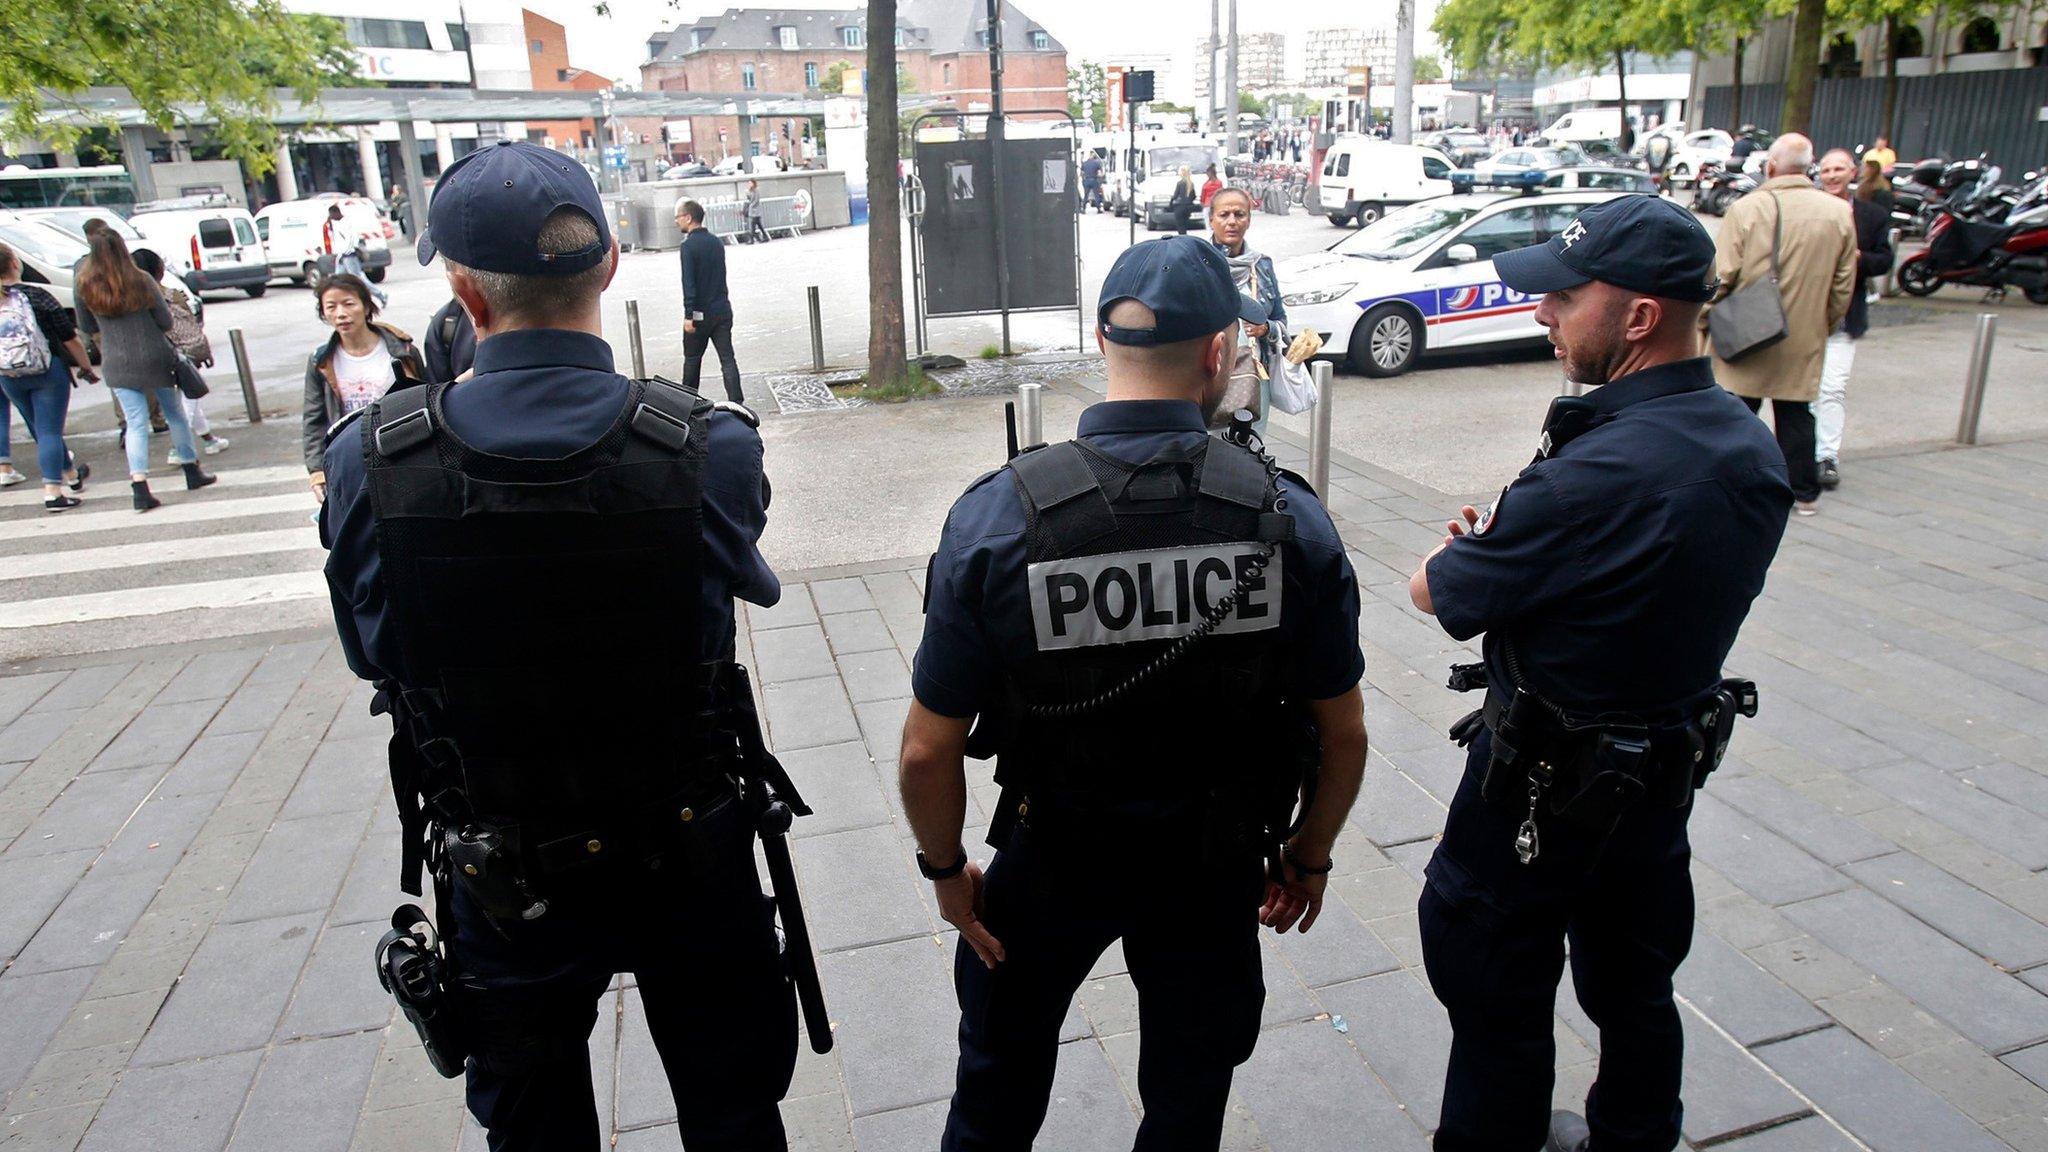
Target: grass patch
{"type": "Point", "coordinates": [991, 352]}
{"type": "Point", "coordinates": [914, 384]}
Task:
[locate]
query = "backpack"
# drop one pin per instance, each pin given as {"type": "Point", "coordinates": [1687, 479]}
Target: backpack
{"type": "Point", "coordinates": [23, 350]}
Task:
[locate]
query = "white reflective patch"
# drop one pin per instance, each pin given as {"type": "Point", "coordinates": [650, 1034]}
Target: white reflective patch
{"type": "Point", "coordinates": [1153, 595]}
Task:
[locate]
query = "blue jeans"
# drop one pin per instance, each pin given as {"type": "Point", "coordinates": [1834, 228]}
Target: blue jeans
{"type": "Point", "coordinates": [135, 413]}
{"type": "Point", "coordinates": [43, 401]}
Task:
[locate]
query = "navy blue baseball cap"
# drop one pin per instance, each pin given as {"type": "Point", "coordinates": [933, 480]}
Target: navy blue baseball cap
{"type": "Point", "coordinates": [1639, 242]}
{"type": "Point", "coordinates": [1186, 283]}
{"type": "Point", "coordinates": [489, 206]}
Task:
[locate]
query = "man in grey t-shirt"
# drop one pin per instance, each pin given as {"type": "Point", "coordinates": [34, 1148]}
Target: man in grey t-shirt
{"type": "Point", "coordinates": [754, 226]}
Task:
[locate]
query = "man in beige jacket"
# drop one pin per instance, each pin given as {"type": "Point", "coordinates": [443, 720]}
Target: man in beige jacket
{"type": "Point", "coordinates": [1816, 262]}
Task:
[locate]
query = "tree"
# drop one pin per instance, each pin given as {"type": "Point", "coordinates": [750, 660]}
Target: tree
{"type": "Point", "coordinates": [1087, 93]}
{"type": "Point", "coordinates": [1428, 70]}
{"type": "Point", "coordinates": [1809, 19]}
{"type": "Point", "coordinates": [227, 57]}
{"type": "Point", "coordinates": [886, 363]}
{"type": "Point", "coordinates": [1247, 102]}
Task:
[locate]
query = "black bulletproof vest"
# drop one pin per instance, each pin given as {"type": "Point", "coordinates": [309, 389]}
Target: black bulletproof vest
{"type": "Point", "coordinates": [1115, 712]}
{"type": "Point", "coordinates": [547, 609]}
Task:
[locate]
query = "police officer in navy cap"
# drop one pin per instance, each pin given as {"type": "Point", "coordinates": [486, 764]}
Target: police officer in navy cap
{"type": "Point", "coordinates": [538, 566]}
{"type": "Point", "coordinates": [1610, 579]}
{"type": "Point", "coordinates": [1158, 631]}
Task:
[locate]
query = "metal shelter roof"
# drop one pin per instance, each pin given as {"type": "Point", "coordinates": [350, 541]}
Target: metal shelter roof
{"type": "Point", "coordinates": [440, 105]}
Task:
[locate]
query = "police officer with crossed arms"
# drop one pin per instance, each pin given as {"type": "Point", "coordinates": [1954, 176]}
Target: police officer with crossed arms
{"type": "Point", "coordinates": [1610, 579]}
{"type": "Point", "coordinates": [1157, 630]}
{"type": "Point", "coordinates": [538, 567]}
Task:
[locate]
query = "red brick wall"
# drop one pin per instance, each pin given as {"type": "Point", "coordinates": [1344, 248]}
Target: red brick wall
{"type": "Point", "coordinates": [547, 67]}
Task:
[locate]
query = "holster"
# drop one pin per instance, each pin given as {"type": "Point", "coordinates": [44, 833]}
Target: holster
{"type": "Point", "coordinates": [419, 975]}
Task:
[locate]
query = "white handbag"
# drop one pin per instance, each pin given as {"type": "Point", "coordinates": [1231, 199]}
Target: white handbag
{"type": "Point", "coordinates": [1292, 388]}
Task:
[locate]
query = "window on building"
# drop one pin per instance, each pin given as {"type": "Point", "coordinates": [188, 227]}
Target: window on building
{"type": "Point", "coordinates": [785, 36]}
{"type": "Point", "coordinates": [747, 77]}
{"type": "Point", "coordinates": [1908, 42]}
{"type": "Point", "coordinates": [981, 37]}
{"type": "Point", "coordinates": [811, 75]}
{"type": "Point", "coordinates": [900, 38]}
{"type": "Point", "coordinates": [851, 37]}
{"type": "Point", "coordinates": [1041, 41]}
{"type": "Point", "coordinates": [537, 47]}
{"type": "Point", "coordinates": [946, 74]}
{"type": "Point", "coordinates": [1980, 35]}
{"type": "Point", "coordinates": [699, 37]}
{"type": "Point", "coordinates": [458, 37]}
{"type": "Point", "coordinates": [368, 33]}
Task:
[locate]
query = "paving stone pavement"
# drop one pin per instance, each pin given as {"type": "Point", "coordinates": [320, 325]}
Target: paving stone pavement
{"type": "Point", "coordinates": [196, 847]}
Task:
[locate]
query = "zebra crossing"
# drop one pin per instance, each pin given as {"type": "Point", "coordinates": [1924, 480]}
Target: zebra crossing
{"type": "Point", "coordinates": [239, 557]}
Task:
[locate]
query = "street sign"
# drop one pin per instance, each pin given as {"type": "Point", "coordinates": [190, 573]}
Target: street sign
{"type": "Point", "coordinates": [615, 157]}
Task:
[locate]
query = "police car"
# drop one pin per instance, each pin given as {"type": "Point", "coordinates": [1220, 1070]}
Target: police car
{"type": "Point", "coordinates": [1422, 279]}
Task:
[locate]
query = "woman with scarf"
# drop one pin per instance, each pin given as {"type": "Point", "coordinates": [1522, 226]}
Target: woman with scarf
{"type": "Point", "coordinates": [1230, 216]}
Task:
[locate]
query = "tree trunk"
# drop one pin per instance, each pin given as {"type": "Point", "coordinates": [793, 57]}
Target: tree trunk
{"type": "Point", "coordinates": [1735, 113]}
{"type": "Point", "coordinates": [1625, 138]}
{"type": "Point", "coordinates": [1808, 22]}
{"type": "Point", "coordinates": [1891, 77]}
{"type": "Point", "coordinates": [885, 203]}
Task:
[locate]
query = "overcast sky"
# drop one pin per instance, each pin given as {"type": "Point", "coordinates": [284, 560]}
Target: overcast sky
{"type": "Point", "coordinates": [615, 45]}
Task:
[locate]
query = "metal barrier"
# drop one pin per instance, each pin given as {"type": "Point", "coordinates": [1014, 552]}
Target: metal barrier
{"type": "Point", "coordinates": [728, 218]}
{"type": "Point", "coordinates": [249, 403]}
{"type": "Point", "coordinates": [1973, 384]}
{"type": "Point", "coordinates": [1319, 430]}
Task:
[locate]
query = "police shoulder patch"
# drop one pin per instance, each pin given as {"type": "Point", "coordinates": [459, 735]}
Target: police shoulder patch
{"type": "Point", "coordinates": [1491, 515]}
{"type": "Point", "coordinates": [1157, 594]}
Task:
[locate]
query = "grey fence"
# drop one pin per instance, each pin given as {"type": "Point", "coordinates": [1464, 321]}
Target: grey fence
{"type": "Point", "coordinates": [727, 219]}
{"type": "Point", "coordinates": [1954, 115]}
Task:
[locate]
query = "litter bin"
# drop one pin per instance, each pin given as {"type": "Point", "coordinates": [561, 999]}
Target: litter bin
{"type": "Point", "coordinates": [655, 226]}
{"type": "Point", "coordinates": [619, 211]}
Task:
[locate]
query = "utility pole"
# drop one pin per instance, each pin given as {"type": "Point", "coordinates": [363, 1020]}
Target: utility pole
{"type": "Point", "coordinates": [1230, 85]}
{"type": "Point", "coordinates": [1404, 73]}
{"type": "Point", "coordinates": [1215, 45]}
{"type": "Point", "coordinates": [995, 163]}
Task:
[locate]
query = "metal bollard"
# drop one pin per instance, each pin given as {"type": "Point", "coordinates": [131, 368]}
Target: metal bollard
{"type": "Point", "coordinates": [249, 404]}
{"type": "Point", "coordinates": [817, 332]}
{"type": "Point", "coordinates": [1031, 410]}
{"type": "Point", "coordinates": [1973, 384]}
{"type": "Point", "coordinates": [633, 335]}
{"type": "Point", "coordinates": [1891, 274]}
{"type": "Point", "coordinates": [1319, 429]}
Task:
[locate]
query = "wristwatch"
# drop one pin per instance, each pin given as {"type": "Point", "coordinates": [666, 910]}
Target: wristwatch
{"type": "Point", "coordinates": [924, 867]}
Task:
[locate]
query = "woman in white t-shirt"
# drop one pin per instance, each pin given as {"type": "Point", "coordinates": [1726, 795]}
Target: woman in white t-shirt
{"type": "Point", "coordinates": [353, 368]}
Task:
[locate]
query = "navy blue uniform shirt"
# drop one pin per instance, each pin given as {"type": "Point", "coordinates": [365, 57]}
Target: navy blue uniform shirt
{"type": "Point", "coordinates": [545, 394]}
{"type": "Point", "coordinates": [704, 276]}
{"type": "Point", "coordinates": [1622, 566]}
{"type": "Point", "coordinates": [977, 606]}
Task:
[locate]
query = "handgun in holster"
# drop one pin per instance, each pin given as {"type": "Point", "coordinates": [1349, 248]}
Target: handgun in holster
{"type": "Point", "coordinates": [413, 968]}
{"type": "Point", "coordinates": [1733, 698]}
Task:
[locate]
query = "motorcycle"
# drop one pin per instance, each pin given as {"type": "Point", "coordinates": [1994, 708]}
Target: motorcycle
{"type": "Point", "coordinates": [1993, 255]}
{"type": "Point", "coordinates": [1718, 187]}
{"type": "Point", "coordinates": [1931, 187]}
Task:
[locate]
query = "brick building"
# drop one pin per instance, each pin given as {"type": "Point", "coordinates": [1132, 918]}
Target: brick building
{"type": "Point", "coordinates": [941, 51]}
{"type": "Point", "coordinates": [547, 49]}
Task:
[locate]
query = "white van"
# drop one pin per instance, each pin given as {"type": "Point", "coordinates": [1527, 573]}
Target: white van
{"type": "Point", "coordinates": [292, 232]}
{"type": "Point", "coordinates": [218, 242]}
{"type": "Point", "coordinates": [1364, 176]}
{"type": "Point", "coordinates": [1156, 166]}
{"type": "Point", "coordinates": [1585, 124]}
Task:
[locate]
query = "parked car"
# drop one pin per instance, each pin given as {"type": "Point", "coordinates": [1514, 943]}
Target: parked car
{"type": "Point", "coordinates": [1423, 279]}
{"type": "Point", "coordinates": [1601, 176]}
{"type": "Point", "coordinates": [1363, 177]}
{"type": "Point", "coordinates": [293, 233]}
{"type": "Point", "coordinates": [1463, 148]}
{"type": "Point", "coordinates": [687, 171]}
{"type": "Point", "coordinates": [1525, 159]}
{"type": "Point", "coordinates": [48, 253]}
{"type": "Point", "coordinates": [74, 219]}
{"type": "Point", "coordinates": [1606, 154]}
{"type": "Point", "coordinates": [217, 236]}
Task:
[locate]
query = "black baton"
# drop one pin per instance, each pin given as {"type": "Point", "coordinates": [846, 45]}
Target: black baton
{"type": "Point", "coordinates": [789, 905]}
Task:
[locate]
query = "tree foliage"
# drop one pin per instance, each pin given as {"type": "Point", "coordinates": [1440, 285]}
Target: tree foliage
{"type": "Point", "coordinates": [1428, 70]}
{"type": "Point", "coordinates": [226, 57]}
{"type": "Point", "coordinates": [1087, 93]}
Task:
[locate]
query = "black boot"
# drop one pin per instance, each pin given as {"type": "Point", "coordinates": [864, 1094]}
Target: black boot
{"type": "Point", "coordinates": [143, 500]}
{"type": "Point", "coordinates": [194, 478]}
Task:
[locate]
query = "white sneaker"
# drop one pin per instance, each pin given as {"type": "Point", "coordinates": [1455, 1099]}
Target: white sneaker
{"type": "Point", "coordinates": [214, 445]}
{"type": "Point", "coordinates": [10, 478]}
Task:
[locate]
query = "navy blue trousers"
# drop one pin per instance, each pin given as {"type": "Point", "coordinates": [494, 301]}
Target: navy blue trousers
{"type": "Point", "coordinates": [1493, 940]}
{"type": "Point", "coordinates": [1190, 940]}
{"type": "Point", "coordinates": [703, 949]}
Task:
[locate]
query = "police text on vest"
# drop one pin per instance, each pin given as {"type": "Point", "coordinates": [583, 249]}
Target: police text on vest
{"type": "Point", "coordinates": [1158, 594]}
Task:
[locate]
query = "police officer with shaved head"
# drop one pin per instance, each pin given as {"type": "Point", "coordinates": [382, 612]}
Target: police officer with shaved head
{"type": "Point", "coordinates": [1155, 633]}
{"type": "Point", "coordinates": [537, 566]}
{"type": "Point", "coordinates": [1610, 579]}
